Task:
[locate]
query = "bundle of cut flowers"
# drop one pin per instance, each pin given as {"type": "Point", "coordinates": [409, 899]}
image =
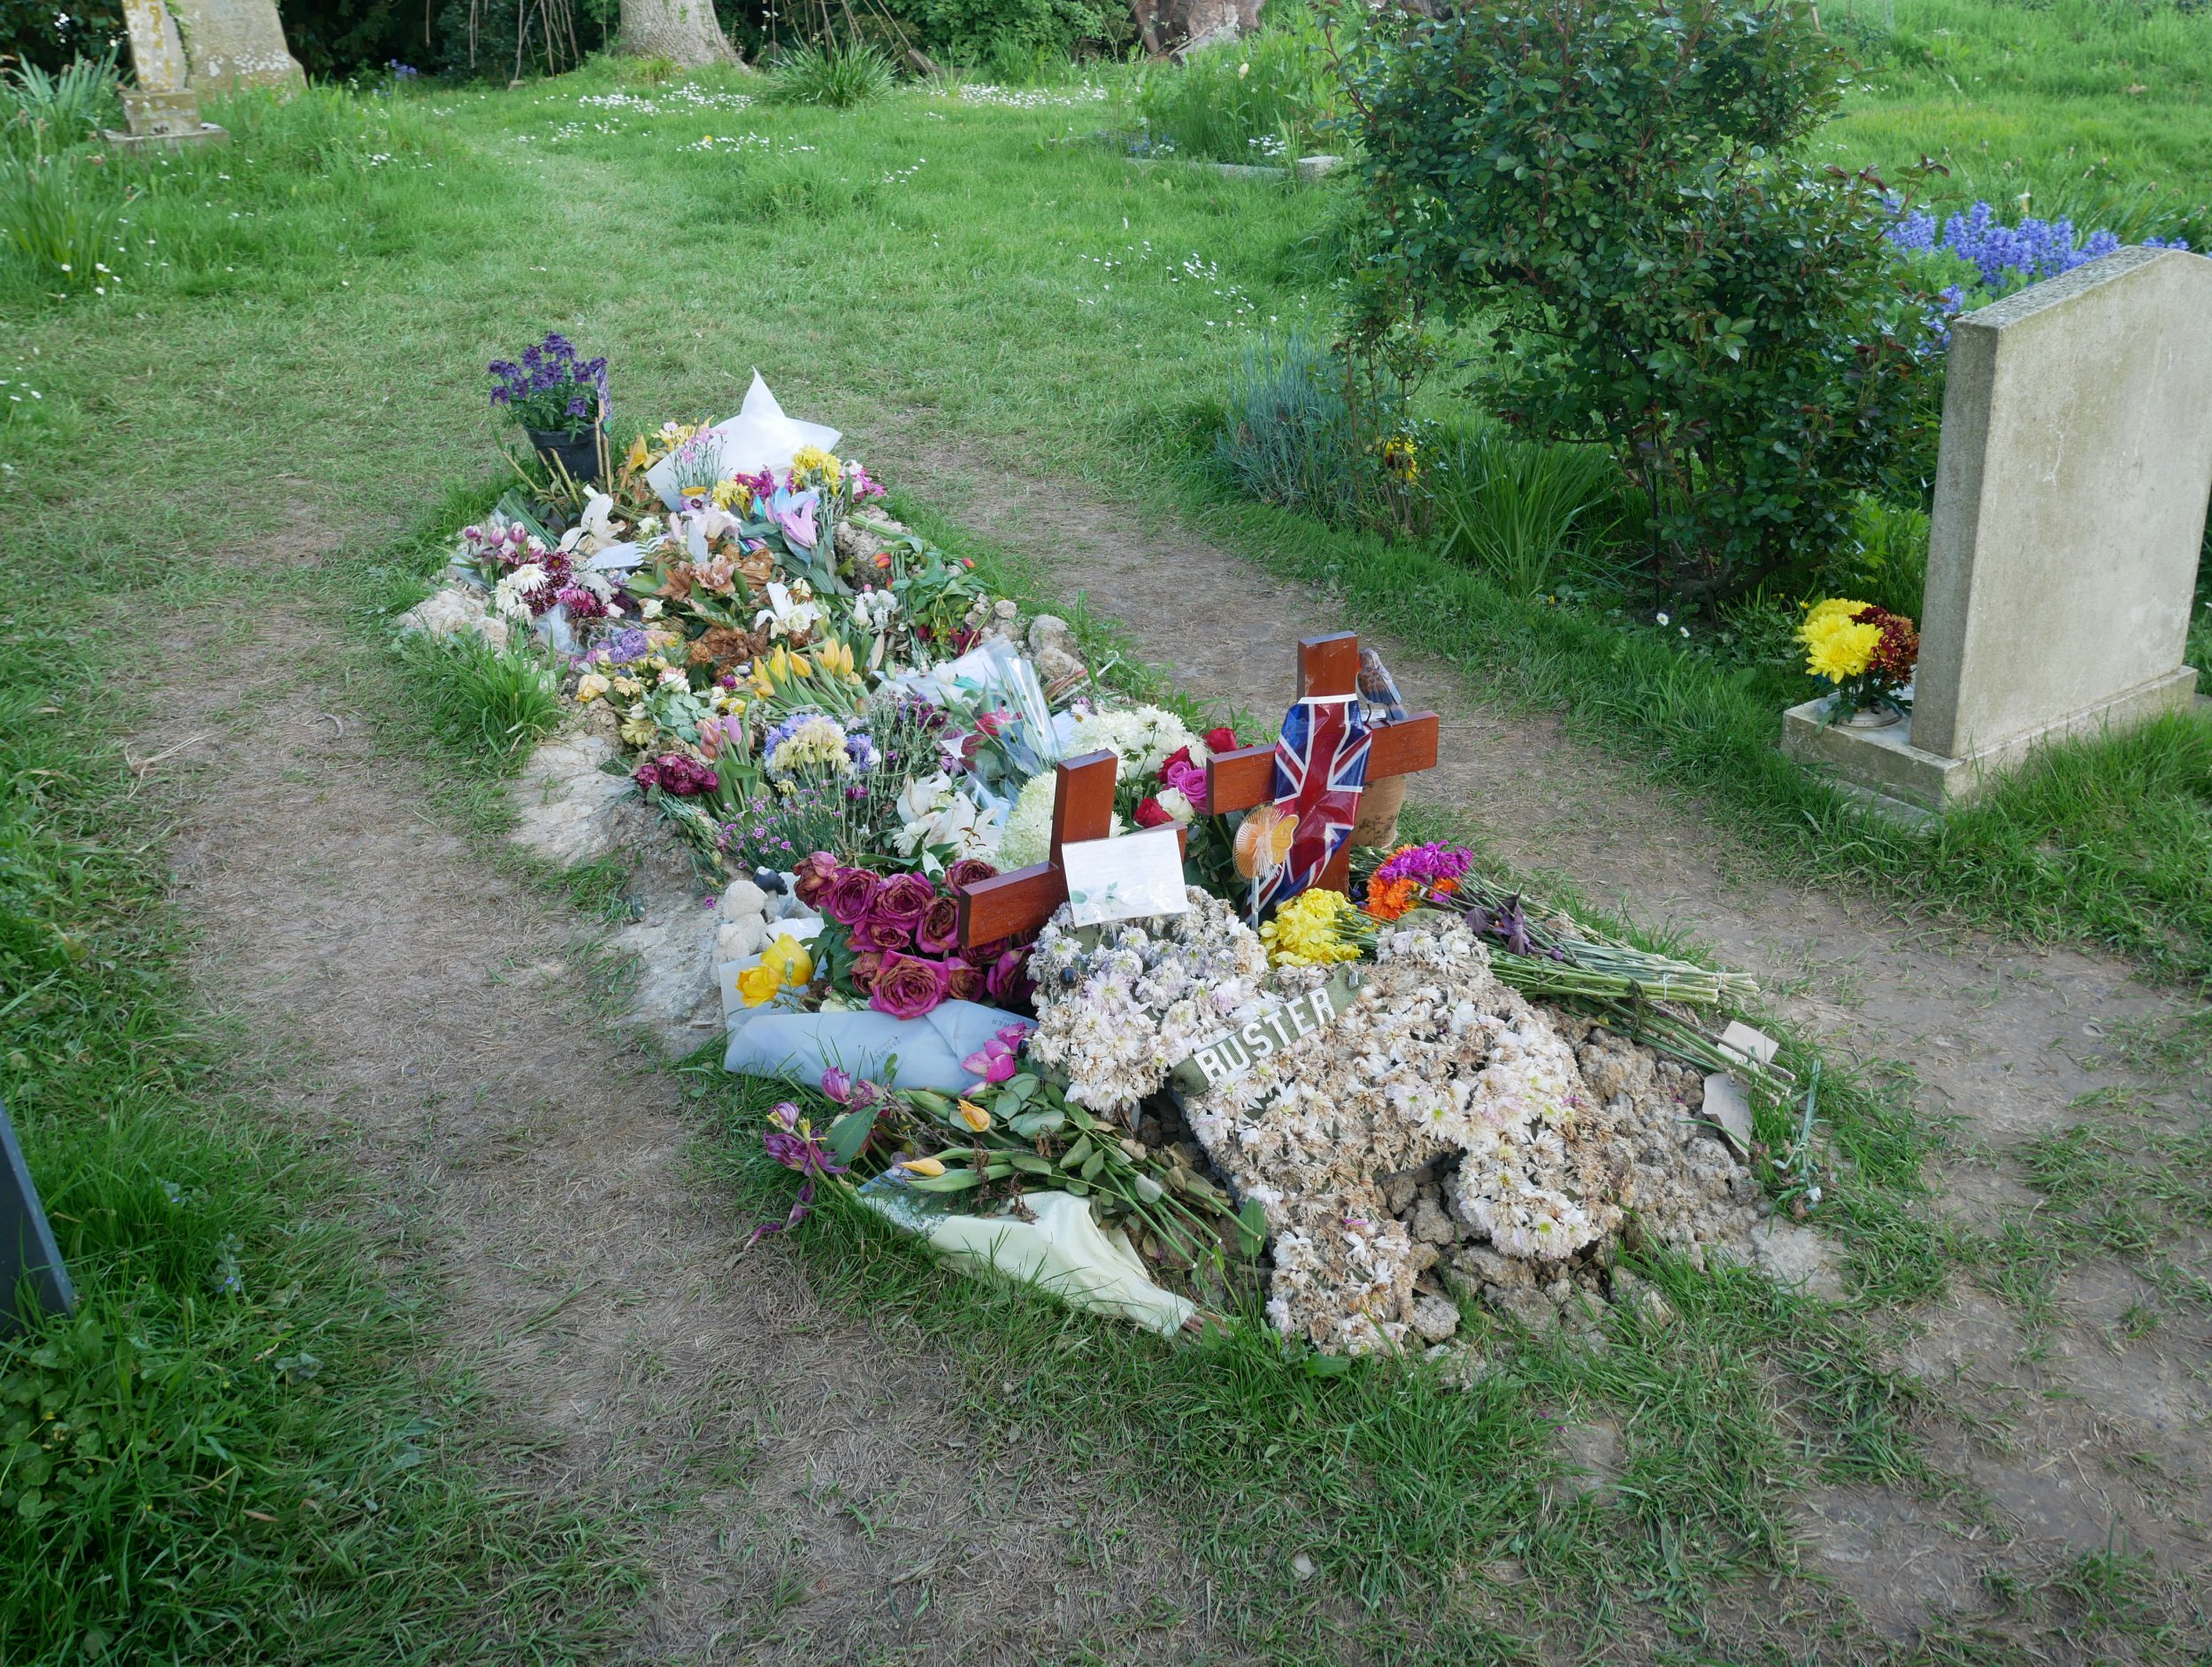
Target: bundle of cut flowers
{"type": "Point", "coordinates": [1865, 653]}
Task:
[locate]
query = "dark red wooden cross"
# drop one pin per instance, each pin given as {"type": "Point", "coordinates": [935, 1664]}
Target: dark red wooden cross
{"type": "Point", "coordinates": [1326, 666]}
{"type": "Point", "coordinates": [1008, 905]}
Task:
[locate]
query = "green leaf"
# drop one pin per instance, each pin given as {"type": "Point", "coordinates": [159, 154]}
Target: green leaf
{"type": "Point", "coordinates": [851, 1133]}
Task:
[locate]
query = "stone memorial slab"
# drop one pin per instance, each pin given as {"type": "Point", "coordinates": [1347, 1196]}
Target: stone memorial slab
{"type": "Point", "coordinates": [2069, 509]}
{"type": "Point", "coordinates": [160, 108]}
{"type": "Point", "coordinates": [30, 1262]}
{"type": "Point", "coordinates": [234, 43]}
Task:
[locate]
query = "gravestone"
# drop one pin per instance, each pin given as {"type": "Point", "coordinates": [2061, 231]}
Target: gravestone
{"type": "Point", "coordinates": [2070, 511]}
{"type": "Point", "coordinates": [234, 43]}
{"type": "Point", "coordinates": [161, 107]}
{"type": "Point", "coordinates": [28, 1256]}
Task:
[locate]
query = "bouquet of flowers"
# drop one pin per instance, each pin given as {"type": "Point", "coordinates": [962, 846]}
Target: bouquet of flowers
{"type": "Point", "coordinates": [1865, 653]}
{"type": "Point", "coordinates": [892, 941]}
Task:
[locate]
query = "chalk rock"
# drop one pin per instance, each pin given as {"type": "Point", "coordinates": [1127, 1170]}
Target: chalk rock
{"type": "Point", "coordinates": [678, 1000]}
{"type": "Point", "coordinates": [1797, 1257]}
{"type": "Point", "coordinates": [1052, 648]}
{"type": "Point", "coordinates": [1434, 1318]}
{"type": "Point", "coordinates": [1430, 1225]}
{"type": "Point", "coordinates": [455, 612]}
{"type": "Point", "coordinates": [734, 940]}
{"type": "Point", "coordinates": [743, 900]}
{"type": "Point", "coordinates": [567, 809]}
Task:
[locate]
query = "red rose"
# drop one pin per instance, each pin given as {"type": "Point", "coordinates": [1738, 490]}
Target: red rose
{"type": "Point", "coordinates": [907, 986]}
{"type": "Point", "coordinates": [940, 930]}
{"type": "Point", "coordinates": [963, 982]}
{"type": "Point", "coordinates": [864, 971]}
{"type": "Point", "coordinates": [1180, 756]}
{"type": "Point", "coordinates": [1008, 980]}
{"type": "Point", "coordinates": [882, 936]}
{"type": "Point", "coordinates": [1150, 815]}
{"type": "Point", "coordinates": [1221, 740]}
{"type": "Point", "coordinates": [967, 871]}
{"type": "Point", "coordinates": [813, 878]}
{"type": "Point", "coordinates": [849, 895]}
{"type": "Point", "coordinates": [902, 900]}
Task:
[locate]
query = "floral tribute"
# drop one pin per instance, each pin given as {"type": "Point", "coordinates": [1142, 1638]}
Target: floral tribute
{"type": "Point", "coordinates": [1864, 652]}
{"type": "Point", "coordinates": [845, 722]}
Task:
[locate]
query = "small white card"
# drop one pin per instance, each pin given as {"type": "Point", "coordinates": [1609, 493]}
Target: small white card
{"type": "Point", "coordinates": [1125, 879]}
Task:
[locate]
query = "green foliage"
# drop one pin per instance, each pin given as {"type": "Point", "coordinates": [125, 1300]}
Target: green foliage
{"type": "Point", "coordinates": [58, 229]}
{"type": "Point", "coordinates": [1610, 185]}
{"type": "Point", "coordinates": [1287, 437]}
{"type": "Point", "coordinates": [1256, 100]}
{"type": "Point", "coordinates": [35, 32]}
{"type": "Point", "coordinates": [1521, 510]}
{"type": "Point", "coordinates": [231, 1452]}
{"type": "Point", "coordinates": [838, 74]}
{"type": "Point", "coordinates": [1016, 40]}
{"type": "Point", "coordinates": [1892, 570]}
{"type": "Point", "coordinates": [41, 111]}
{"type": "Point", "coordinates": [490, 704]}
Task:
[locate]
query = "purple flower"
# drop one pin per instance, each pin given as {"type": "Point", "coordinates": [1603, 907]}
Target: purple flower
{"type": "Point", "coordinates": [791, 1141]}
{"type": "Point", "coordinates": [907, 986]}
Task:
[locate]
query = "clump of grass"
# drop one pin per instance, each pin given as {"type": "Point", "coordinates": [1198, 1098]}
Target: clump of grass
{"type": "Point", "coordinates": [1288, 436]}
{"type": "Point", "coordinates": [1256, 100]}
{"type": "Point", "coordinates": [41, 111]}
{"type": "Point", "coordinates": [489, 703]}
{"type": "Point", "coordinates": [1520, 511]}
{"type": "Point", "coordinates": [838, 74]}
{"type": "Point", "coordinates": [59, 224]}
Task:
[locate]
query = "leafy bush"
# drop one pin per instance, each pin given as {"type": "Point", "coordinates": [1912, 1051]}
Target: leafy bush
{"type": "Point", "coordinates": [1519, 510]}
{"type": "Point", "coordinates": [838, 74]}
{"type": "Point", "coordinates": [1256, 100]}
{"type": "Point", "coordinates": [1287, 438]}
{"type": "Point", "coordinates": [1016, 39]}
{"type": "Point", "coordinates": [1610, 184]}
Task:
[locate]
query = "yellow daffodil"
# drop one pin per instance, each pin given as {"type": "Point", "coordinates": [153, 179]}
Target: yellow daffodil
{"type": "Point", "coordinates": [974, 1115]}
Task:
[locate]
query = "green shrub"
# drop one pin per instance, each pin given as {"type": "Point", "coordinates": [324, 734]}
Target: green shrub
{"type": "Point", "coordinates": [1016, 40]}
{"type": "Point", "coordinates": [1521, 510]}
{"type": "Point", "coordinates": [1893, 566]}
{"type": "Point", "coordinates": [1287, 435]}
{"type": "Point", "coordinates": [1256, 100]}
{"type": "Point", "coordinates": [1610, 186]}
{"type": "Point", "coordinates": [481, 700]}
{"type": "Point", "coordinates": [838, 74]}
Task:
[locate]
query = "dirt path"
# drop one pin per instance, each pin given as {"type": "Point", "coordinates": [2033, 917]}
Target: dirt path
{"type": "Point", "coordinates": [2101, 1433]}
{"type": "Point", "coordinates": [802, 1489]}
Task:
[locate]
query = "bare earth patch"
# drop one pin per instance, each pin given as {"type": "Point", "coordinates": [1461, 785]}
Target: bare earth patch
{"type": "Point", "coordinates": [2095, 1439]}
{"type": "Point", "coordinates": [801, 1488]}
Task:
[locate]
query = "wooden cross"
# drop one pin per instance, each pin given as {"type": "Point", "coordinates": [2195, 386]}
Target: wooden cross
{"type": "Point", "coordinates": [1006, 905]}
{"type": "Point", "coordinates": [1326, 666]}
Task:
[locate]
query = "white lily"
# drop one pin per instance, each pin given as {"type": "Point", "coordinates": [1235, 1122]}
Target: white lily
{"type": "Point", "coordinates": [784, 615]}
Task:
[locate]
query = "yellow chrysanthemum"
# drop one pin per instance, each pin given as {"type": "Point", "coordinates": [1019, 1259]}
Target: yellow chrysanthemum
{"type": "Point", "coordinates": [810, 465]}
{"type": "Point", "coordinates": [1839, 649]}
{"type": "Point", "coordinates": [1305, 931]}
{"type": "Point", "coordinates": [1821, 613]}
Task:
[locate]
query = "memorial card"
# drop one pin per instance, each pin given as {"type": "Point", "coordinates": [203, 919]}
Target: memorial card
{"type": "Point", "coordinates": [1126, 879]}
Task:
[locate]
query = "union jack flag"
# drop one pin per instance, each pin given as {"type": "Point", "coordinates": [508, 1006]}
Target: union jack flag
{"type": "Point", "coordinates": [1320, 767]}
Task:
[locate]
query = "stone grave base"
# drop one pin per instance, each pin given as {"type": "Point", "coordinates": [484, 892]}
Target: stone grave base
{"type": "Point", "coordinates": [206, 134]}
{"type": "Point", "coordinates": [1901, 780]}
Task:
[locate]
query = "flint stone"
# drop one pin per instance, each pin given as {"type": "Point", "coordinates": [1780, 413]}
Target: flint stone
{"type": "Point", "coordinates": [1431, 1225]}
{"type": "Point", "coordinates": [568, 809]}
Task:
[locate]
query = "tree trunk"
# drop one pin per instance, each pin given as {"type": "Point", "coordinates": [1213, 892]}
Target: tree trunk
{"type": "Point", "coordinates": [1177, 26]}
{"type": "Point", "coordinates": [683, 30]}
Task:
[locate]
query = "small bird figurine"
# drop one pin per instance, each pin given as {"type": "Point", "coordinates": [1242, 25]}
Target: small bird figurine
{"type": "Point", "coordinates": [1378, 687]}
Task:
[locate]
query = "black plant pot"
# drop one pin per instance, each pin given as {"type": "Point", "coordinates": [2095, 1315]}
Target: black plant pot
{"type": "Point", "coordinates": [578, 453]}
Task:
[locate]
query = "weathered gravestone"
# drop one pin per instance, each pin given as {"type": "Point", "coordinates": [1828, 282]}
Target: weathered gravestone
{"type": "Point", "coordinates": [161, 107]}
{"type": "Point", "coordinates": [234, 43]}
{"type": "Point", "coordinates": [30, 1262]}
{"type": "Point", "coordinates": [2069, 510]}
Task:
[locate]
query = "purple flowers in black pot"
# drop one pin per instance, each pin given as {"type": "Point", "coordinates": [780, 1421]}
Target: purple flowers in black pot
{"type": "Point", "coordinates": [551, 391]}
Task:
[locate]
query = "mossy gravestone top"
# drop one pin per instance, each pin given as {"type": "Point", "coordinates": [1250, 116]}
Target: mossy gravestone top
{"type": "Point", "coordinates": [2069, 510]}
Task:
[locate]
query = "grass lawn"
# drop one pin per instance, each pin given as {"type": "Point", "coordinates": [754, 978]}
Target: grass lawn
{"type": "Point", "coordinates": [297, 339]}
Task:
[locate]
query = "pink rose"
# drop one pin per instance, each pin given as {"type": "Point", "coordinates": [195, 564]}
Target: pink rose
{"type": "Point", "coordinates": [940, 930]}
{"type": "Point", "coordinates": [967, 871]}
{"type": "Point", "coordinates": [963, 982]}
{"type": "Point", "coordinates": [863, 970]}
{"type": "Point", "coordinates": [902, 900]}
{"type": "Point", "coordinates": [1008, 978]}
{"type": "Point", "coordinates": [907, 986]}
{"type": "Point", "coordinates": [813, 878]}
{"type": "Point", "coordinates": [850, 895]}
{"type": "Point", "coordinates": [1186, 778]}
{"type": "Point", "coordinates": [876, 932]}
